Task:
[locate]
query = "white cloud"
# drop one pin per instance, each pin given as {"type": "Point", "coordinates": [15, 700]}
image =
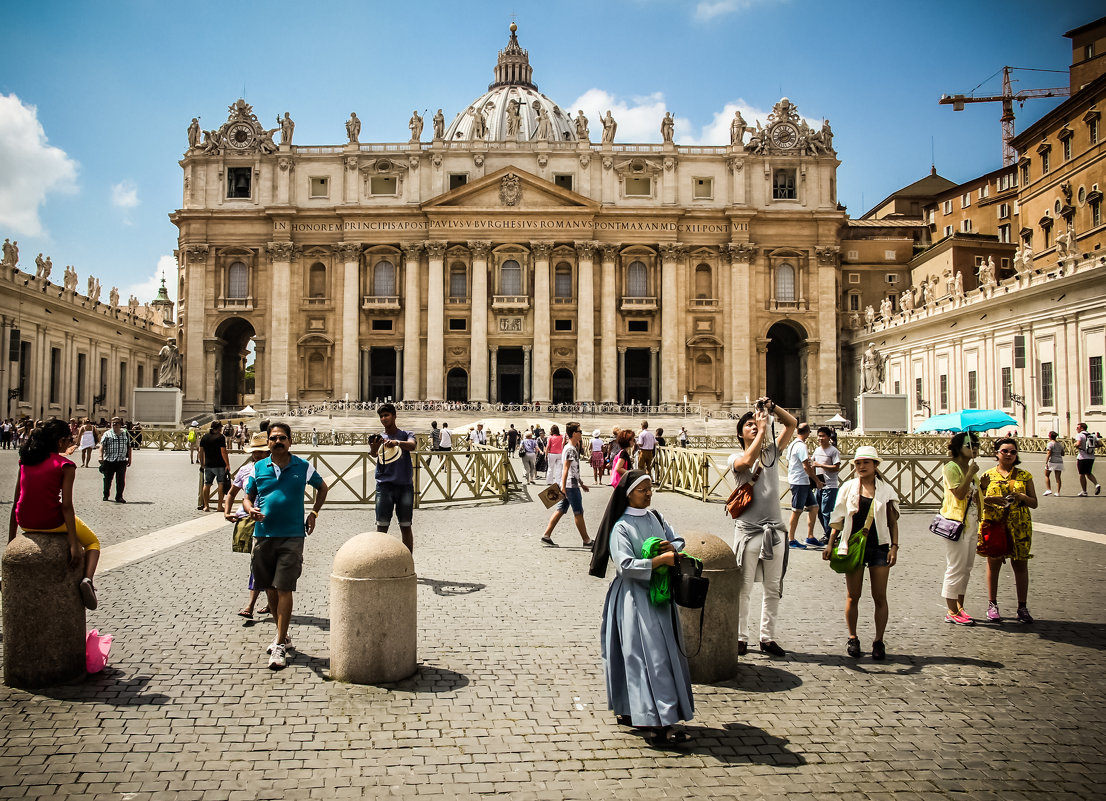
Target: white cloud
{"type": "Point", "coordinates": [709, 9]}
{"type": "Point", "coordinates": [124, 195]}
{"type": "Point", "coordinates": [146, 290]}
{"type": "Point", "coordinates": [30, 169]}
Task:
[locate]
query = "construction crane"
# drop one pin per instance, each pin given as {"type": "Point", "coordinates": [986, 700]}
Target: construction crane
{"type": "Point", "coordinates": [1007, 99]}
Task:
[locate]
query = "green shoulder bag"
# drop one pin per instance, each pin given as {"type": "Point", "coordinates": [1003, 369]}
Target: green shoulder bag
{"type": "Point", "coordinates": [858, 541]}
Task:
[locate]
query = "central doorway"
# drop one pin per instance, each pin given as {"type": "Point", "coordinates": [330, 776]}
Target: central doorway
{"type": "Point", "coordinates": [783, 367]}
{"type": "Point", "coordinates": [382, 373]}
{"type": "Point", "coordinates": [563, 389]}
{"type": "Point", "coordinates": [638, 376]}
{"type": "Point", "coordinates": [230, 363]}
{"type": "Point", "coordinates": [457, 385]}
{"type": "Point", "coordinates": [508, 370]}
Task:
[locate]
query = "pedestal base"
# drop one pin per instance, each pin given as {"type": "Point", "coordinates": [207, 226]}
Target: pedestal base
{"type": "Point", "coordinates": [158, 406]}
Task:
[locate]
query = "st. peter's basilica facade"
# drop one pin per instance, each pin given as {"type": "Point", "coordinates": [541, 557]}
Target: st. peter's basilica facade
{"type": "Point", "coordinates": [511, 259]}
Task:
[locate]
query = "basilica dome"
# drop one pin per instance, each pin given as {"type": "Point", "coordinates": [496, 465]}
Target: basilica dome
{"type": "Point", "coordinates": [513, 110]}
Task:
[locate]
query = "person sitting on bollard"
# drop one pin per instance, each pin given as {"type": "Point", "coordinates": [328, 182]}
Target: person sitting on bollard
{"type": "Point", "coordinates": [259, 449]}
{"type": "Point", "coordinates": [648, 680]}
{"type": "Point", "coordinates": [44, 499]}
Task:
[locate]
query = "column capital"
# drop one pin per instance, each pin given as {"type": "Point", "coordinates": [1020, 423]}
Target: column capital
{"type": "Point", "coordinates": [610, 250]}
{"type": "Point", "coordinates": [670, 251]}
{"type": "Point", "coordinates": [654, 350]}
{"type": "Point", "coordinates": [348, 251]}
{"type": "Point", "coordinates": [827, 255]}
{"type": "Point", "coordinates": [196, 252]}
{"type": "Point", "coordinates": [740, 252]}
{"type": "Point", "coordinates": [480, 248]}
{"type": "Point", "coordinates": [621, 348]}
{"type": "Point", "coordinates": [762, 344]}
{"type": "Point", "coordinates": [436, 248]}
{"type": "Point", "coordinates": [412, 249]}
{"type": "Point", "coordinates": [527, 348]}
{"type": "Point", "coordinates": [586, 248]}
{"type": "Point", "coordinates": [280, 251]}
{"type": "Point", "coordinates": [540, 249]}
{"type": "Point", "coordinates": [398, 348]}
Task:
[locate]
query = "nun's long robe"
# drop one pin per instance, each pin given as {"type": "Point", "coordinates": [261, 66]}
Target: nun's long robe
{"type": "Point", "coordinates": [647, 676]}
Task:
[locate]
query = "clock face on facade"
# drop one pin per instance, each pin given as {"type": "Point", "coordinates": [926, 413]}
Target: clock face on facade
{"type": "Point", "coordinates": [785, 135]}
{"type": "Point", "coordinates": [240, 135]}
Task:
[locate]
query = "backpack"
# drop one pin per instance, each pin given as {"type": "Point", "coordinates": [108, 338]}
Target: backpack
{"type": "Point", "coordinates": [1090, 444]}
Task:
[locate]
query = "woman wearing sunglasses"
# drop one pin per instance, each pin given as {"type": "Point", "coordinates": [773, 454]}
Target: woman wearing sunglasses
{"type": "Point", "coordinates": [1008, 495]}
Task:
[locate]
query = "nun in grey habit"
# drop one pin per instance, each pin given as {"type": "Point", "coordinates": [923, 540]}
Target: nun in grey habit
{"type": "Point", "coordinates": [648, 683]}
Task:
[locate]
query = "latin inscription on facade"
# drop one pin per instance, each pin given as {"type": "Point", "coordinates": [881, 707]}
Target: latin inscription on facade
{"type": "Point", "coordinates": [504, 224]}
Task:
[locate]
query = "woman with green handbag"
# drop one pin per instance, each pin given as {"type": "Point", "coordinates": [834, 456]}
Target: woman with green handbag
{"type": "Point", "coordinates": [866, 506]}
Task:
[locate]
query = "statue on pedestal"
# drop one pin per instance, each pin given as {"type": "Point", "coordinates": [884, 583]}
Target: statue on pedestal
{"type": "Point", "coordinates": [415, 124]}
{"type": "Point", "coordinates": [950, 281]}
{"type": "Point", "coordinates": [132, 305]}
{"type": "Point", "coordinates": [94, 289]}
{"type": "Point", "coordinates": [737, 129]}
{"type": "Point", "coordinates": [42, 267]}
{"type": "Point", "coordinates": [113, 298]}
{"type": "Point", "coordinates": [169, 368]}
{"type": "Point", "coordinates": [958, 284]}
{"type": "Point", "coordinates": [545, 125]}
{"type": "Point", "coordinates": [194, 133]}
{"type": "Point", "coordinates": [70, 279]}
{"type": "Point", "coordinates": [514, 116]}
{"type": "Point", "coordinates": [886, 310]}
{"type": "Point", "coordinates": [609, 128]}
{"type": "Point", "coordinates": [479, 123]}
{"type": "Point", "coordinates": [353, 128]}
{"type": "Point", "coordinates": [871, 369]}
{"type": "Point", "coordinates": [439, 125]}
{"type": "Point", "coordinates": [11, 254]}
{"type": "Point", "coordinates": [987, 273]}
{"type": "Point", "coordinates": [668, 128]}
{"type": "Point", "coordinates": [1065, 243]}
{"type": "Point", "coordinates": [869, 318]}
{"type": "Point", "coordinates": [1019, 259]}
{"type": "Point", "coordinates": [287, 128]}
{"type": "Point", "coordinates": [906, 300]}
{"type": "Point", "coordinates": [582, 132]}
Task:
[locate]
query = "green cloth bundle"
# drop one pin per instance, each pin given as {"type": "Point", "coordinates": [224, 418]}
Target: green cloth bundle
{"type": "Point", "coordinates": [660, 588]}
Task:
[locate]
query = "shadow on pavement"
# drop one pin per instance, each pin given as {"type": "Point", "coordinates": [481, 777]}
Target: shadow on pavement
{"type": "Point", "coordinates": [322, 623]}
{"type": "Point", "coordinates": [441, 587]}
{"type": "Point", "coordinates": [429, 679]}
{"type": "Point", "coordinates": [735, 744]}
{"type": "Point", "coordinates": [1069, 632]}
{"type": "Point", "coordinates": [901, 664]}
{"type": "Point", "coordinates": [761, 679]}
{"type": "Point", "coordinates": [109, 686]}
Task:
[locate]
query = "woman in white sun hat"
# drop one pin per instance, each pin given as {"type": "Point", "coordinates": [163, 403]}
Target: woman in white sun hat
{"type": "Point", "coordinates": [866, 501]}
{"type": "Point", "coordinates": [597, 463]}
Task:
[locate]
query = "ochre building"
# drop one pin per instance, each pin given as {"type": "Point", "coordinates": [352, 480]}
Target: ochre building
{"type": "Point", "coordinates": [510, 258]}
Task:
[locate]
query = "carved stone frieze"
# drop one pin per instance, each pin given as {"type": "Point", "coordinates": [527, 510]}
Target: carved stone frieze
{"type": "Point", "coordinates": [478, 159]}
{"type": "Point", "coordinates": [585, 160]}
{"type": "Point", "coordinates": [510, 189]}
{"type": "Point", "coordinates": [286, 164]}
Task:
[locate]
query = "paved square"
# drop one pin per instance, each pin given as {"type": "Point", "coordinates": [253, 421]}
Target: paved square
{"type": "Point", "coordinates": [509, 697]}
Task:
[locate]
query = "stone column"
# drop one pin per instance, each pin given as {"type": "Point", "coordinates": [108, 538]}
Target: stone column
{"type": "Point", "coordinates": [725, 276]}
{"type": "Point", "coordinates": [742, 301]}
{"type": "Point", "coordinates": [541, 380]}
{"type": "Point", "coordinates": [760, 371]}
{"type": "Point", "coordinates": [350, 345]}
{"type": "Point", "coordinates": [585, 323]}
{"type": "Point", "coordinates": [620, 391]}
{"type": "Point", "coordinates": [195, 286]}
{"type": "Point", "coordinates": [670, 346]}
{"type": "Point", "coordinates": [412, 321]}
{"type": "Point", "coordinates": [400, 380]}
{"type": "Point", "coordinates": [493, 358]}
{"type": "Point", "coordinates": [654, 374]}
{"type": "Point", "coordinates": [826, 358]}
{"type": "Point", "coordinates": [526, 364]}
{"type": "Point", "coordinates": [280, 321]}
{"type": "Point", "coordinates": [610, 382]}
{"type": "Point", "coordinates": [260, 368]}
{"type": "Point", "coordinates": [478, 349]}
{"type": "Point", "coordinates": [435, 322]}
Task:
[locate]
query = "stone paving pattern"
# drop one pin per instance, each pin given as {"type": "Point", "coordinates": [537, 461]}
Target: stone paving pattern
{"type": "Point", "coordinates": [509, 697]}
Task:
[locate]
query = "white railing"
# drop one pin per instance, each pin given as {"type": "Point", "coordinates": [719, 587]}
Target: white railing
{"type": "Point", "coordinates": [510, 302]}
{"type": "Point", "coordinates": [380, 302]}
{"type": "Point", "coordinates": [638, 304]}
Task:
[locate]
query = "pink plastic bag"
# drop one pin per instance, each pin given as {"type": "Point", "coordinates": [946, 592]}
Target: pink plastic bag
{"type": "Point", "coordinates": [97, 648]}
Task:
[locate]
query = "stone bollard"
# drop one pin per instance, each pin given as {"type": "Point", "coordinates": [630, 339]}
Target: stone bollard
{"type": "Point", "coordinates": [373, 629]}
{"type": "Point", "coordinates": [44, 619]}
{"type": "Point", "coordinates": [717, 659]}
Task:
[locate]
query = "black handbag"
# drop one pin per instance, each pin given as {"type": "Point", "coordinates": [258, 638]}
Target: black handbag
{"type": "Point", "coordinates": [689, 589]}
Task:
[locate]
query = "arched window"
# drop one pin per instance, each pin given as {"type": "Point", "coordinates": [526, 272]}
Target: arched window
{"type": "Point", "coordinates": [384, 279]}
{"type": "Point", "coordinates": [785, 283]}
{"type": "Point", "coordinates": [562, 281]}
{"type": "Point", "coordinates": [316, 281]}
{"type": "Point", "coordinates": [510, 278]}
{"type": "Point", "coordinates": [238, 283]}
{"type": "Point", "coordinates": [637, 280]}
{"type": "Point", "coordinates": [458, 285]}
{"type": "Point", "coordinates": [703, 287]}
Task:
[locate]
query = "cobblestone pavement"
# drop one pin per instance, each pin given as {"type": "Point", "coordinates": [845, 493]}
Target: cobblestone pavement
{"type": "Point", "coordinates": [509, 697]}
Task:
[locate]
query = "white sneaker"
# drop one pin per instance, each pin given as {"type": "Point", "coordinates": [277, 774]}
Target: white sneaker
{"type": "Point", "coordinates": [1048, 492]}
{"type": "Point", "coordinates": [287, 646]}
{"type": "Point", "coordinates": [278, 659]}
{"type": "Point", "coordinates": [1081, 495]}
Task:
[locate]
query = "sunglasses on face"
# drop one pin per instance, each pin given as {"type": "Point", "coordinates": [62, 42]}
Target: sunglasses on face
{"type": "Point", "coordinates": [1007, 451]}
{"type": "Point", "coordinates": [278, 438]}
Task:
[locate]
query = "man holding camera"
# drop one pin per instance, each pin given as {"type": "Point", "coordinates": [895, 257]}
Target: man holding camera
{"type": "Point", "coordinates": [395, 478]}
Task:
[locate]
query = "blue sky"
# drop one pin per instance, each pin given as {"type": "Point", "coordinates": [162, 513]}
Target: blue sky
{"type": "Point", "coordinates": [95, 98]}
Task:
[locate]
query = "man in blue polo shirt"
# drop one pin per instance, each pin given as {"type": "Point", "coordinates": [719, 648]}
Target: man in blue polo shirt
{"type": "Point", "coordinates": [274, 498]}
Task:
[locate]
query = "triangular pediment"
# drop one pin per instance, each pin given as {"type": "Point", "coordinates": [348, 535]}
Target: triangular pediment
{"type": "Point", "coordinates": [511, 189]}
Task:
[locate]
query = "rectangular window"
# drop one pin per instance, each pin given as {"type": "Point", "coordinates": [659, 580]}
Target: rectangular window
{"type": "Point", "coordinates": [984, 191]}
{"type": "Point", "coordinates": [966, 226]}
{"type": "Point", "coordinates": [564, 181]}
{"type": "Point", "coordinates": [320, 187]}
{"type": "Point", "coordinates": [562, 325]}
{"type": "Point", "coordinates": [1067, 149]}
{"type": "Point", "coordinates": [102, 394]}
{"type": "Point", "coordinates": [854, 278]}
{"type": "Point", "coordinates": [1044, 163]}
{"type": "Point", "coordinates": [458, 284]}
{"type": "Point", "coordinates": [637, 326]}
{"type": "Point", "coordinates": [1004, 263]}
{"type": "Point", "coordinates": [973, 390]}
{"type": "Point", "coordinates": [888, 255]}
{"type": "Point", "coordinates": [1004, 233]}
{"type": "Point", "coordinates": [1046, 385]}
{"type": "Point", "coordinates": [854, 302]}
{"type": "Point", "coordinates": [931, 217]}
{"type": "Point", "coordinates": [1096, 212]}
{"type": "Point", "coordinates": [1003, 211]}
{"type": "Point", "coordinates": [458, 324]}
{"type": "Point", "coordinates": [382, 325]}
{"type": "Point", "coordinates": [458, 179]}
{"type": "Point", "coordinates": [1092, 129]}
{"type": "Point", "coordinates": [24, 369]}
{"type": "Point", "coordinates": [238, 182]}
{"type": "Point", "coordinates": [898, 387]}
{"type": "Point", "coordinates": [1019, 351]}
{"type": "Point", "coordinates": [1096, 380]}
{"type": "Point", "coordinates": [783, 185]}
{"type": "Point", "coordinates": [918, 394]}
{"type": "Point", "coordinates": [948, 230]}
{"type": "Point", "coordinates": [965, 200]}
{"type": "Point", "coordinates": [82, 377]}
{"type": "Point", "coordinates": [944, 382]}
{"type": "Point", "coordinates": [1006, 182]}
{"type": "Point", "coordinates": [892, 278]}
{"type": "Point", "coordinates": [140, 376]}
{"type": "Point", "coordinates": [1088, 51]}
{"type": "Point", "coordinates": [638, 186]}
{"type": "Point", "coordinates": [1025, 173]}
{"type": "Point", "coordinates": [123, 384]}
{"type": "Point", "coordinates": [702, 188]}
{"type": "Point", "coordinates": [383, 185]}
{"type": "Point", "coordinates": [55, 374]}
{"type": "Point", "coordinates": [853, 255]}
{"type": "Point", "coordinates": [1047, 233]}
{"type": "Point", "coordinates": [946, 207]}
{"type": "Point", "coordinates": [1007, 386]}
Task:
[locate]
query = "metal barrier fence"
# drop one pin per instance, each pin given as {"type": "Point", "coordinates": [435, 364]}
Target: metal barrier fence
{"type": "Point", "coordinates": [906, 445]}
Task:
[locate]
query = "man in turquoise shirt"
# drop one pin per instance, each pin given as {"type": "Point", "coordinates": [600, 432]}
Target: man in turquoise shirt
{"type": "Point", "coordinates": [274, 498]}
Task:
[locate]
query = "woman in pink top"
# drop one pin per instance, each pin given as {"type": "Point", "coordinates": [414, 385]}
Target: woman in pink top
{"type": "Point", "coordinates": [44, 499]}
{"type": "Point", "coordinates": [554, 446]}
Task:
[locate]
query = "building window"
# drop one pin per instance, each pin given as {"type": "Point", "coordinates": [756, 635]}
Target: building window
{"type": "Point", "coordinates": [892, 278]}
{"type": "Point", "coordinates": [1088, 51]}
{"type": "Point", "coordinates": [382, 325]}
{"type": "Point", "coordinates": [123, 384]}
{"type": "Point", "coordinates": [785, 283]}
{"type": "Point", "coordinates": [984, 191]}
{"type": "Point", "coordinates": [458, 285]}
{"type": "Point", "coordinates": [562, 281]}
{"type": "Point", "coordinates": [458, 179]}
{"type": "Point", "coordinates": [783, 185]}
{"type": "Point", "coordinates": [637, 280]}
{"type": "Point", "coordinates": [854, 278]}
{"type": "Point", "coordinates": [973, 390]}
{"type": "Point", "coordinates": [944, 384]}
{"type": "Point", "coordinates": [918, 394]}
{"type": "Point", "coordinates": [703, 282]}
{"type": "Point", "coordinates": [1025, 173]}
{"type": "Point", "coordinates": [1047, 231]}
{"type": "Point", "coordinates": [1003, 211]}
{"type": "Point", "coordinates": [888, 255]}
{"type": "Point", "coordinates": [638, 186]}
{"type": "Point", "coordinates": [854, 301]}
{"type": "Point", "coordinates": [103, 394]}
{"type": "Point", "coordinates": [702, 188]}
{"type": "Point", "coordinates": [238, 182]}
{"type": "Point", "coordinates": [1044, 162]}
{"type": "Point", "coordinates": [1067, 149]}
{"type": "Point", "coordinates": [563, 181]}
{"type": "Point", "coordinates": [1004, 233]}
{"type": "Point", "coordinates": [562, 325]}
{"type": "Point", "coordinates": [1006, 181]}
{"type": "Point", "coordinates": [1096, 380]}
{"type": "Point", "coordinates": [1092, 129]}
{"type": "Point", "coordinates": [238, 281]}
{"type": "Point", "coordinates": [384, 279]}
{"type": "Point", "coordinates": [383, 185]}
{"type": "Point", "coordinates": [1046, 385]}
{"type": "Point", "coordinates": [946, 207]}
{"type": "Point", "coordinates": [637, 326]}
{"type": "Point", "coordinates": [931, 217]}
{"type": "Point", "coordinates": [965, 200]}
{"type": "Point", "coordinates": [55, 374]}
{"type": "Point", "coordinates": [316, 281]}
{"type": "Point", "coordinates": [1096, 212]}
{"type": "Point", "coordinates": [458, 324]}
{"type": "Point", "coordinates": [510, 278]}
{"type": "Point", "coordinates": [320, 187]}
{"type": "Point", "coordinates": [948, 230]}
{"type": "Point", "coordinates": [1007, 386]}
{"type": "Point", "coordinates": [24, 369]}
{"type": "Point", "coordinates": [82, 377]}
{"type": "Point", "coordinates": [966, 226]}
{"type": "Point", "coordinates": [139, 377]}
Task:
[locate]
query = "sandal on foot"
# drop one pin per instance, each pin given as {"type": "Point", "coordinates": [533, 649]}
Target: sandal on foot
{"type": "Point", "coordinates": [245, 613]}
{"type": "Point", "coordinates": [547, 541]}
{"type": "Point", "coordinates": [263, 611]}
{"type": "Point", "coordinates": [669, 737]}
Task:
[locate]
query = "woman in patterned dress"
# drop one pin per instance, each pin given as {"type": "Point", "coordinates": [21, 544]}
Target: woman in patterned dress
{"type": "Point", "coordinates": [1008, 490]}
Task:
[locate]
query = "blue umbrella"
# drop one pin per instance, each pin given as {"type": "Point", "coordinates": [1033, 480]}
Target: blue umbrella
{"type": "Point", "coordinates": [967, 420]}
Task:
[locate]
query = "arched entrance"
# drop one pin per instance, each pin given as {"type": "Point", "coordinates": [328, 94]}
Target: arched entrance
{"type": "Point", "coordinates": [457, 385]}
{"type": "Point", "coordinates": [234, 337]}
{"type": "Point", "coordinates": [784, 368]}
{"type": "Point", "coordinates": [563, 386]}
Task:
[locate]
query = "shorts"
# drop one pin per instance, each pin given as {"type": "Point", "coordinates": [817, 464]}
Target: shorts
{"type": "Point", "coordinates": [277, 562]}
{"type": "Point", "coordinates": [802, 496]}
{"type": "Point", "coordinates": [1055, 467]}
{"type": "Point", "coordinates": [1085, 466]}
{"type": "Point", "coordinates": [401, 498]}
{"type": "Point", "coordinates": [85, 536]}
{"type": "Point", "coordinates": [875, 555]}
{"type": "Point", "coordinates": [215, 475]}
{"type": "Point", "coordinates": [574, 498]}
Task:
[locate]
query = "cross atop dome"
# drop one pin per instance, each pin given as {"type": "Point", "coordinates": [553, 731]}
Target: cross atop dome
{"type": "Point", "coordinates": [513, 67]}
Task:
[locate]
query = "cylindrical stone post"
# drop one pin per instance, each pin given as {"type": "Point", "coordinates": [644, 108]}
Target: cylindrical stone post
{"type": "Point", "coordinates": [44, 618]}
{"type": "Point", "coordinates": [717, 658]}
{"type": "Point", "coordinates": [373, 617]}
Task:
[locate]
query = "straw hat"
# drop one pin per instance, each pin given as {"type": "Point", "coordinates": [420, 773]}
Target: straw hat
{"type": "Point", "coordinates": [866, 452]}
{"type": "Point", "coordinates": [259, 442]}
